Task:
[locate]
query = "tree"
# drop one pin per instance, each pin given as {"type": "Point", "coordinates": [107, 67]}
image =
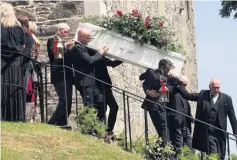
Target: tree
{"type": "Point", "coordinates": [227, 8]}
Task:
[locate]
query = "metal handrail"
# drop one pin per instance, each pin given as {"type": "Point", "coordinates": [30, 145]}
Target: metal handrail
{"type": "Point", "coordinates": [137, 96]}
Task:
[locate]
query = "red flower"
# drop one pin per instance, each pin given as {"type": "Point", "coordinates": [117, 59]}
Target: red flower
{"type": "Point", "coordinates": [161, 24]}
{"type": "Point", "coordinates": [135, 13]}
{"type": "Point", "coordinates": [147, 22]}
{"type": "Point", "coordinates": [119, 12]}
{"type": "Point", "coordinates": [147, 19]}
{"type": "Point", "coordinates": [164, 42]}
{"type": "Point", "coordinates": [146, 25]}
{"type": "Point", "coordinates": [55, 43]}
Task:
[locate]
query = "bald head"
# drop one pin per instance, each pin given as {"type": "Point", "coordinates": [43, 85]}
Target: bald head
{"type": "Point", "coordinates": [214, 81]}
{"type": "Point", "coordinates": [214, 86]}
{"type": "Point", "coordinates": [184, 79]}
{"type": "Point", "coordinates": [83, 35]}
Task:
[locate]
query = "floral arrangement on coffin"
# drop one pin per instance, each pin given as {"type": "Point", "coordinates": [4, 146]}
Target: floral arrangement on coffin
{"type": "Point", "coordinates": [149, 30]}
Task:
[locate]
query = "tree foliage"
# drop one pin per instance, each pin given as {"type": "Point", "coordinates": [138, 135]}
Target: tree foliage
{"type": "Point", "coordinates": [227, 8]}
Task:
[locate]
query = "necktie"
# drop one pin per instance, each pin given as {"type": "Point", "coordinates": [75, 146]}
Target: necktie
{"type": "Point", "coordinates": [212, 101]}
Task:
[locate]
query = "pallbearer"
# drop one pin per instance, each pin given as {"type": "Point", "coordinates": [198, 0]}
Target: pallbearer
{"type": "Point", "coordinates": [157, 87]}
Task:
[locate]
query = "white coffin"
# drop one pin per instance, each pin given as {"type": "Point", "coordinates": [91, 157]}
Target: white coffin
{"type": "Point", "coordinates": [126, 50]}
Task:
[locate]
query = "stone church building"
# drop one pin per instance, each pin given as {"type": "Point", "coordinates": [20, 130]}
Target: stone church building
{"type": "Point", "coordinates": [180, 19]}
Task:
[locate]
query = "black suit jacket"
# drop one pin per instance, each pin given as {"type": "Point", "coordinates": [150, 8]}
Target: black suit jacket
{"type": "Point", "coordinates": [152, 82]}
{"type": "Point", "coordinates": [203, 112]}
{"type": "Point", "coordinates": [178, 103]}
{"type": "Point", "coordinates": [84, 63]}
{"type": "Point", "coordinates": [144, 75]}
{"type": "Point", "coordinates": [57, 74]}
{"type": "Point", "coordinates": [101, 71]}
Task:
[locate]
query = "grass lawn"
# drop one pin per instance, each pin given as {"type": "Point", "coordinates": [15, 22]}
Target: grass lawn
{"type": "Point", "coordinates": [36, 141]}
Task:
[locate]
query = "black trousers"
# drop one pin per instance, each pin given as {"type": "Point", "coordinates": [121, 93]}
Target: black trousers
{"type": "Point", "coordinates": [159, 120]}
{"type": "Point", "coordinates": [113, 106]}
{"type": "Point", "coordinates": [59, 117]}
{"type": "Point", "coordinates": [180, 134]}
{"type": "Point", "coordinates": [217, 143]}
{"type": "Point", "coordinates": [91, 96]}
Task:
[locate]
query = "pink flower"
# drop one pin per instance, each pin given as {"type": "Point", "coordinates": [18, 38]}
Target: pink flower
{"type": "Point", "coordinates": [161, 24]}
{"type": "Point", "coordinates": [119, 12]}
{"type": "Point", "coordinates": [135, 13]}
{"type": "Point", "coordinates": [164, 42]}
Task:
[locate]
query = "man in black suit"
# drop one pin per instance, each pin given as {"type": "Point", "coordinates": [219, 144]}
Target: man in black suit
{"type": "Point", "coordinates": [179, 125]}
{"type": "Point", "coordinates": [213, 107]}
{"type": "Point", "coordinates": [151, 87]}
{"type": "Point", "coordinates": [102, 74]}
{"type": "Point", "coordinates": [85, 64]}
{"type": "Point", "coordinates": [57, 76]}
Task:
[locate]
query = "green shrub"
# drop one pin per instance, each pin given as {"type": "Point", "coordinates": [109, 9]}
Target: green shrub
{"type": "Point", "coordinates": [153, 150]}
{"type": "Point", "coordinates": [233, 157]}
{"type": "Point", "coordinates": [186, 154]}
{"type": "Point", "coordinates": [88, 122]}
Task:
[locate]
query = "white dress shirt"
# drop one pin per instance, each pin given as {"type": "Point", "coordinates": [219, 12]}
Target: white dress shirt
{"type": "Point", "coordinates": [214, 99]}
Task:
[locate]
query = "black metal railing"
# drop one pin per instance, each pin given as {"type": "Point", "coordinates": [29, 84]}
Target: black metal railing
{"type": "Point", "coordinates": [127, 96]}
{"type": "Point", "coordinates": [39, 91]}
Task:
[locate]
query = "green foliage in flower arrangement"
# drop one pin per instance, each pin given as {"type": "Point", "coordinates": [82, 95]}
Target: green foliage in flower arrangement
{"type": "Point", "coordinates": [88, 121]}
{"type": "Point", "coordinates": [149, 30]}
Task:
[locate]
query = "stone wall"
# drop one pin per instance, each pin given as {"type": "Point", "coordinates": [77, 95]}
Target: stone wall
{"type": "Point", "coordinates": [180, 15]}
{"type": "Point", "coordinates": [48, 14]}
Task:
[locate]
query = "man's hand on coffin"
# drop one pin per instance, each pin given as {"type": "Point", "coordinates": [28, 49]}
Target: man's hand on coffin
{"type": "Point", "coordinates": [104, 50]}
{"type": "Point", "coordinates": [152, 93]}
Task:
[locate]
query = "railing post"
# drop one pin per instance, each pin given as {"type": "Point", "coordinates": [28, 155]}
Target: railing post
{"type": "Point", "coordinates": [236, 141]}
{"type": "Point", "coordinates": [41, 97]}
{"type": "Point", "coordinates": [228, 145]}
{"type": "Point", "coordinates": [65, 94]}
{"type": "Point", "coordinates": [76, 101]}
{"type": "Point", "coordinates": [166, 125]}
{"type": "Point", "coordinates": [125, 120]}
{"type": "Point", "coordinates": [46, 95]}
{"type": "Point", "coordinates": [104, 103]}
{"type": "Point", "coordinates": [129, 124]}
{"type": "Point", "coordinates": [202, 156]}
{"type": "Point", "coordinates": [73, 73]}
{"type": "Point", "coordinates": [146, 126]}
